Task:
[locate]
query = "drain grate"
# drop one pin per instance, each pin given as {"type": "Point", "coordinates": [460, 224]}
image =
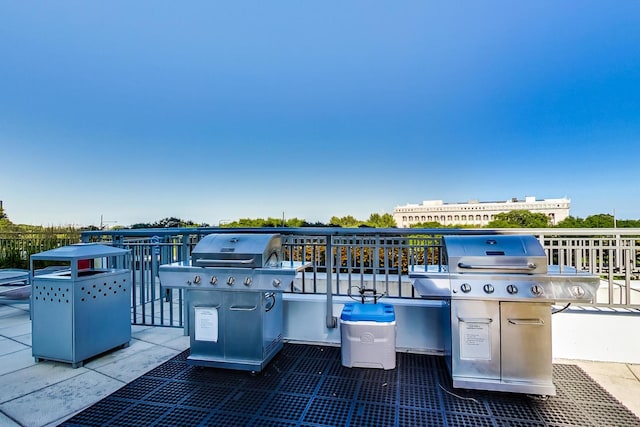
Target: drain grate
{"type": "Point", "coordinates": [308, 386]}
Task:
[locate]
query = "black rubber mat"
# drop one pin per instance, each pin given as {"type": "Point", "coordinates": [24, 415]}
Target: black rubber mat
{"type": "Point", "coordinates": [306, 385]}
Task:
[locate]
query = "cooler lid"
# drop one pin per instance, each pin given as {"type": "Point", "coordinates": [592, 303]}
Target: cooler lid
{"type": "Point", "coordinates": [354, 312]}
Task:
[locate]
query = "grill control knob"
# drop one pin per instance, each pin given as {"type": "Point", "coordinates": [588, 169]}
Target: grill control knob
{"type": "Point", "coordinates": [247, 281]}
{"type": "Point", "coordinates": [512, 289]}
{"type": "Point", "coordinates": [276, 283]}
{"type": "Point", "coordinates": [578, 291]}
{"type": "Point", "coordinates": [465, 287]}
{"type": "Point", "coordinates": [537, 290]}
{"type": "Point", "coordinates": [230, 280]}
{"type": "Point", "coordinates": [488, 288]}
{"type": "Point", "coordinates": [196, 280]}
{"type": "Point", "coordinates": [214, 280]}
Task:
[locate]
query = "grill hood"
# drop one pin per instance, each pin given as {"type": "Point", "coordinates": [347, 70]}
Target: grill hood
{"type": "Point", "coordinates": [495, 254]}
{"type": "Point", "coordinates": [237, 250]}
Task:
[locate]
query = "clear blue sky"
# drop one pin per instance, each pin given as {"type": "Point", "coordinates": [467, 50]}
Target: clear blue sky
{"type": "Point", "coordinates": [212, 111]}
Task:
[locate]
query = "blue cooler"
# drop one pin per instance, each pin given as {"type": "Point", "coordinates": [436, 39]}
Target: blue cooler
{"type": "Point", "coordinates": [368, 336]}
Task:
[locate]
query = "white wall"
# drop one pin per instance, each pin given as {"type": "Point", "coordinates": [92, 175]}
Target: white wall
{"type": "Point", "coordinates": [596, 336]}
{"type": "Point", "coordinates": [582, 335]}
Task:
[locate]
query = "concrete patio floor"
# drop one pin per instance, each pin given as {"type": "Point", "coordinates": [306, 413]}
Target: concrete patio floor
{"type": "Point", "coordinates": [48, 393]}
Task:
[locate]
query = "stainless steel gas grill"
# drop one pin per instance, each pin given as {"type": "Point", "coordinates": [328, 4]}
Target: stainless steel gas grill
{"type": "Point", "coordinates": [499, 292]}
{"type": "Point", "coordinates": [233, 298]}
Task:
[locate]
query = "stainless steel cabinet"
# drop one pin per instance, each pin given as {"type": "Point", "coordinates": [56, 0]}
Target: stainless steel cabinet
{"type": "Point", "coordinates": [502, 346]}
{"type": "Point", "coordinates": [526, 342]}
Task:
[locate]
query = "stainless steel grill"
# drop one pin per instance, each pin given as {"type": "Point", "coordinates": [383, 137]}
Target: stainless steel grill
{"type": "Point", "coordinates": [499, 291]}
{"type": "Point", "coordinates": [233, 298]}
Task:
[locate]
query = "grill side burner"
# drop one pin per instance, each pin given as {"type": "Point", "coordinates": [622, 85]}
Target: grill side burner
{"type": "Point", "coordinates": [498, 292]}
{"type": "Point", "coordinates": [233, 298]}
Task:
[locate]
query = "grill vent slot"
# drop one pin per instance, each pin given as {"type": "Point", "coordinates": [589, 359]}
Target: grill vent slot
{"type": "Point", "coordinates": [495, 253]}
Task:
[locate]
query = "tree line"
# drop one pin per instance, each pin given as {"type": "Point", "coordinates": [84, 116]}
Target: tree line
{"type": "Point", "coordinates": [511, 219]}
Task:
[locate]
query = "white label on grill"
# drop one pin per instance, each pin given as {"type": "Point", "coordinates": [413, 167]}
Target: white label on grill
{"type": "Point", "coordinates": [206, 324]}
{"type": "Point", "coordinates": [475, 342]}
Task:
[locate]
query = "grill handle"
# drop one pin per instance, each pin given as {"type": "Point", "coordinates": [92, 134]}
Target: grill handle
{"type": "Point", "coordinates": [534, 322]}
{"type": "Point", "coordinates": [213, 262]}
{"type": "Point", "coordinates": [526, 267]}
{"type": "Point", "coordinates": [243, 307]}
{"type": "Point", "coordinates": [475, 319]}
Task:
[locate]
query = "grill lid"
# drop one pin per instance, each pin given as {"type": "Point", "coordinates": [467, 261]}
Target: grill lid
{"type": "Point", "coordinates": [237, 250]}
{"type": "Point", "coordinates": [495, 254]}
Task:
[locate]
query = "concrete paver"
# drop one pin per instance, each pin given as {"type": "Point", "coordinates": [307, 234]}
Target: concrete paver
{"type": "Point", "coordinates": [54, 403]}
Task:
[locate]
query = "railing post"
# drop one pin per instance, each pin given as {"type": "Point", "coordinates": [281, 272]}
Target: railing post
{"type": "Point", "coordinates": [331, 319]}
{"type": "Point", "coordinates": [185, 248]}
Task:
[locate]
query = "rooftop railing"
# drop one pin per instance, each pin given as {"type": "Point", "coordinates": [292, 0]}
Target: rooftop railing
{"type": "Point", "coordinates": [373, 258]}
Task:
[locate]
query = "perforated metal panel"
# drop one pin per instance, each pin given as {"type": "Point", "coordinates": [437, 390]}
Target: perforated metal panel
{"type": "Point", "coordinates": [75, 319]}
{"type": "Point", "coordinates": [307, 386]}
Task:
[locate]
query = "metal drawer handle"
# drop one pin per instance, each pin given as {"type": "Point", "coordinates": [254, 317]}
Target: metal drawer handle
{"type": "Point", "coordinates": [224, 261]}
{"type": "Point", "coordinates": [242, 307]}
{"type": "Point", "coordinates": [525, 267]}
{"type": "Point", "coordinates": [475, 319]}
{"type": "Point", "coordinates": [534, 322]}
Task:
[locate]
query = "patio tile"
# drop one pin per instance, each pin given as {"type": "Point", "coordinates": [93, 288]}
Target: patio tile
{"type": "Point", "coordinates": [24, 339]}
{"type": "Point", "coordinates": [59, 401]}
{"type": "Point", "coordinates": [14, 327]}
{"type": "Point", "coordinates": [8, 346]}
{"type": "Point", "coordinates": [32, 378]}
{"type": "Point", "coordinates": [135, 346]}
{"type": "Point", "coordinates": [7, 422]}
{"type": "Point", "coordinates": [158, 335]}
{"type": "Point", "coordinates": [15, 361]}
{"type": "Point", "coordinates": [128, 368]}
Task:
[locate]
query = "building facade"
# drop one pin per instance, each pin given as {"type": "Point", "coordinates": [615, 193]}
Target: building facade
{"type": "Point", "coordinates": [476, 213]}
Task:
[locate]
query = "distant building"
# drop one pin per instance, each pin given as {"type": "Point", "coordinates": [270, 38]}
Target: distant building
{"type": "Point", "coordinates": [476, 213]}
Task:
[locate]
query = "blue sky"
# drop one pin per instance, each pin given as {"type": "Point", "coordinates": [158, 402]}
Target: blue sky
{"type": "Point", "coordinates": [214, 111]}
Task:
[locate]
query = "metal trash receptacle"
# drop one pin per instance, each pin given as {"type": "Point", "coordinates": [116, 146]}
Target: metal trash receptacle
{"type": "Point", "coordinates": [84, 310]}
{"type": "Point", "coordinates": [368, 336]}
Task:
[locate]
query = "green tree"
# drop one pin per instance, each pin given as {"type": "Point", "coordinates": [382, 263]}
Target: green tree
{"type": "Point", "coordinates": [169, 222]}
{"type": "Point", "coordinates": [628, 223]}
{"type": "Point", "coordinates": [519, 218]}
{"type": "Point", "coordinates": [381, 221]}
{"type": "Point", "coordinates": [5, 223]}
{"type": "Point", "coordinates": [599, 221]}
{"type": "Point", "coordinates": [345, 222]}
{"type": "Point", "coordinates": [428, 224]}
{"type": "Point", "coordinates": [571, 222]}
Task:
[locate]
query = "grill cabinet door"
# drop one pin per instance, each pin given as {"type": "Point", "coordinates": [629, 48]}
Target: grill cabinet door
{"type": "Point", "coordinates": [526, 342]}
{"type": "Point", "coordinates": [475, 340]}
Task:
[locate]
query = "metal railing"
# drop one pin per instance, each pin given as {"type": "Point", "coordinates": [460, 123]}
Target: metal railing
{"type": "Point", "coordinates": [372, 258]}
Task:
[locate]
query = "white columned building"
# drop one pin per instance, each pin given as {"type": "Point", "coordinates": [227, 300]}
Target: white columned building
{"type": "Point", "coordinates": [476, 213]}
